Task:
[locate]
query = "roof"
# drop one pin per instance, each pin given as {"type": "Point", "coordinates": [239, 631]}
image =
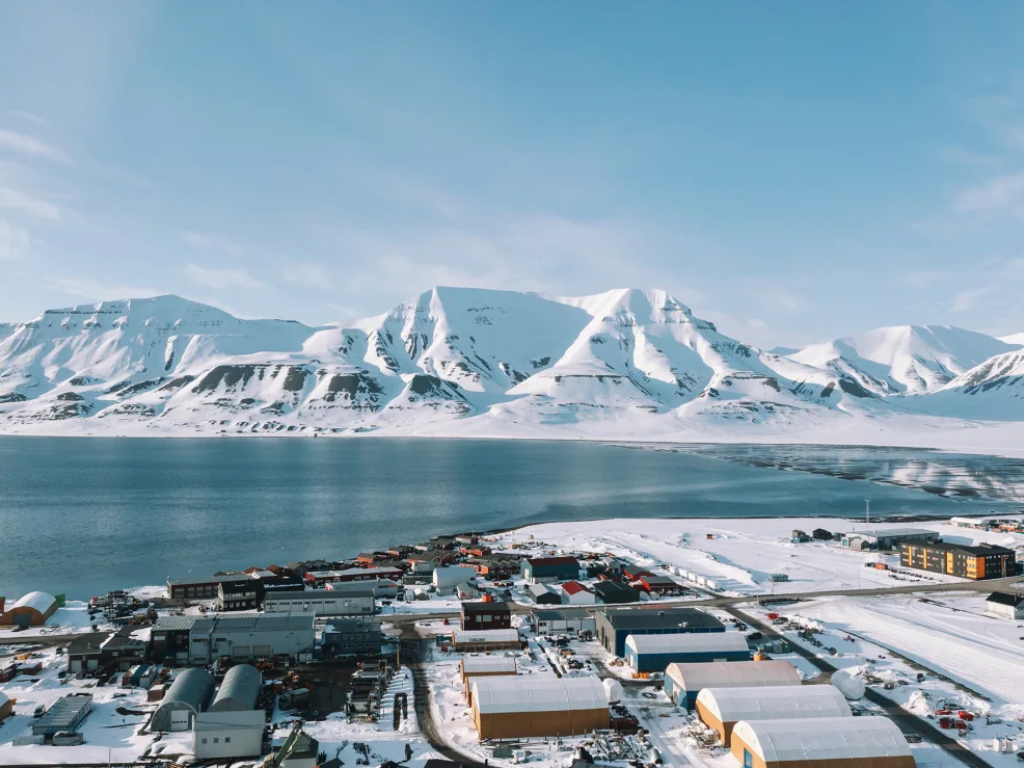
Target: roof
{"type": "Point", "coordinates": [192, 687]}
{"type": "Point", "coordinates": [979, 551]}
{"type": "Point", "coordinates": [574, 588]}
{"type": "Point", "coordinates": [783, 702]}
{"type": "Point", "coordinates": [552, 561]}
{"type": "Point", "coordinates": [239, 690]}
{"type": "Point", "coordinates": [90, 643]}
{"type": "Point", "coordinates": [562, 614]}
{"type": "Point", "coordinates": [719, 674]}
{"type": "Point", "coordinates": [64, 712]}
{"type": "Point", "coordinates": [40, 601]}
{"type": "Point", "coordinates": [479, 665]}
{"type": "Point", "coordinates": [654, 578]}
{"type": "Point", "coordinates": [884, 532]}
{"type": "Point", "coordinates": [305, 595]}
{"type": "Point", "coordinates": [541, 589]}
{"type": "Point", "coordinates": [3, 698]}
{"type": "Point", "coordinates": [825, 738]}
{"type": "Point", "coordinates": [485, 607]}
{"type": "Point", "coordinates": [1005, 598]}
{"type": "Point", "coordinates": [175, 623]}
{"type": "Point", "coordinates": [699, 642]}
{"type": "Point", "coordinates": [462, 636]}
{"type": "Point", "coordinates": [256, 622]}
{"type": "Point", "coordinates": [649, 619]}
{"type": "Point", "coordinates": [504, 694]}
{"type": "Point", "coordinates": [606, 588]}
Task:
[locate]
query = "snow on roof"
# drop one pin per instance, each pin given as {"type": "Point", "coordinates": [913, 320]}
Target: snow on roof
{"type": "Point", "coordinates": [783, 702]}
{"type": "Point", "coordinates": [732, 674]}
{"type": "Point", "coordinates": [700, 642]}
{"type": "Point", "coordinates": [494, 695]}
{"type": "Point", "coordinates": [461, 636]}
{"type": "Point", "coordinates": [3, 698]}
{"type": "Point", "coordinates": [824, 738]}
{"type": "Point", "coordinates": [479, 665]}
{"type": "Point", "coordinates": [40, 601]}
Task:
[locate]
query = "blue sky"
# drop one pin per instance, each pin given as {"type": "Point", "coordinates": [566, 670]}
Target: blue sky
{"type": "Point", "coordinates": [793, 171]}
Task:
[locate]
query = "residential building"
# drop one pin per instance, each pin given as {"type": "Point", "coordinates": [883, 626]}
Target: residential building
{"type": "Point", "coordinates": [614, 626]}
{"type": "Point", "coordinates": [485, 615]}
{"type": "Point", "coordinates": [244, 594]}
{"type": "Point", "coordinates": [540, 569]}
{"type": "Point", "coordinates": [985, 561]}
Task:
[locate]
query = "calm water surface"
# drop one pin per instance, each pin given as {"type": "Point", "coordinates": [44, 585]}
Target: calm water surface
{"type": "Point", "coordinates": [84, 515]}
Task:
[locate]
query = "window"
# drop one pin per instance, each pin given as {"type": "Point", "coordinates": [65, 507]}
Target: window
{"type": "Point", "coordinates": [204, 741]}
{"type": "Point", "coordinates": [227, 739]}
{"type": "Point", "coordinates": [216, 740]}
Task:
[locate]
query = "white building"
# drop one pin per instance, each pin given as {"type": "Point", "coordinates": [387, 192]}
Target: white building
{"type": "Point", "coordinates": [838, 742]}
{"type": "Point", "coordinates": [722, 708]}
{"type": "Point", "coordinates": [224, 735]}
{"type": "Point", "coordinates": [446, 579]}
{"type": "Point", "coordinates": [1005, 605]}
{"type": "Point", "coordinates": [252, 637]}
{"type": "Point", "coordinates": [574, 593]}
{"type": "Point", "coordinates": [558, 620]}
{"type": "Point", "coordinates": [322, 602]}
{"type": "Point", "coordinates": [683, 682]}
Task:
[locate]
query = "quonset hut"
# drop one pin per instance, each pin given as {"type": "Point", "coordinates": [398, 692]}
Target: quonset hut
{"type": "Point", "coordinates": [653, 653]}
{"type": "Point", "coordinates": [187, 697]}
{"type": "Point", "coordinates": [684, 681]}
{"type": "Point", "coordinates": [239, 690]}
{"type": "Point", "coordinates": [523, 707]}
{"type": "Point", "coordinates": [722, 708]}
{"type": "Point", "coordinates": [835, 742]}
{"type": "Point", "coordinates": [32, 610]}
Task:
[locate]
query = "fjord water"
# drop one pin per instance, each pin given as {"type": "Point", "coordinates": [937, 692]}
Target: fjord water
{"type": "Point", "coordinates": [81, 516]}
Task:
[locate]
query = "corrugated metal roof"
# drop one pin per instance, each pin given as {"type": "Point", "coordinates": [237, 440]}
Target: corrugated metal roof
{"type": "Point", "coordinates": [783, 702]}
{"type": "Point", "coordinates": [824, 738]}
{"type": "Point", "coordinates": [239, 690]}
{"type": "Point", "coordinates": [507, 694]}
{"type": "Point", "coordinates": [174, 623]}
{"type": "Point", "coordinates": [562, 614]}
{"type": "Point", "coordinates": [701, 642]}
{"type": "Point", "coordinates": [732, 674]}
{"type": "Point", "coordinates": [63, 713]}
{"type": "Point", "coordinates": [40, 601]}
{"type": "Point", "coordinates": [192, 687]}
{"type": "Point", "coordinates": [476, 665]}
{"type": "Point", "coordinates": [462, 636]}
{"type": "Point", "coordinates": [256, 622]}
{"type": "Point", "coordinates": [637, 618]}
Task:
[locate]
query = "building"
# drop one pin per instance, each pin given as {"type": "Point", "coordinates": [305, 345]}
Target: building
{"type": "Point", "coordinates": [200, 640]}
{"type": "Point", "coordinates": [538, 569]}
{"type": "Point", "coordinates": [888, 538]}
{"type": "Point", "coordinates": [615, 592]}
{"type": "Point", "coordinates": [574, 593]}
{"type": "Point", "coordinates": [684, 681]}
{"type": "Point", "coordinates": [6, 706]}
{"type": "Point", "coordinates": [239, 691]}
{"type": "Point", "coordinates": [486, 640]}
{"type": "Point", "coordinates": [485, 615]}
{"type": "Point", "coordinates": [65, 714]}
{"type": "Point", "coordinates": [653, 653]}
{"type": "Point", "coordinates": [1005, 605]}
{"type": "Point", "coordinates": [169, 638]}
{"type": "Point", "coordinates": [564, 620]}
{"type": "Point", "coordinates": [820, 534]}
{"type": "Point", "coordinates": [243, 594]}
{"type": "Point", "coordinates": [199, 589]}
{"type": "Point", "coordinates": [322, 602]}
{"type": "Point", "coordinates": [835, 742]}
{"type": "Point", "coordinates": [318, 579]}
{"type": "Point", "coordinates": [544, 594]}
{"type": "Point", "coordinates": [722, 708]}
{"type": "Point", "coordinates": [613, 627]}
{"type": "Point", "coordinates": [445, 579]}
{"type": "Point", "coordinates": [189, 694]}
{"type": "Point", "coordinates": [473, 667]}
{"type": "Point", "coordinates": [382, 589]}
{"type": "Point", "coordinates": [659, 585]}
{"type": "Point", "coordinates": [496, 566]}
{"type": "Point", "coordinates": [985, 561]}
{"type": "Point", "coordinates": [353, 636]}
{"type": "Point", "coordinates": [534, 706]}
{"type": "Point", "coordinates": [32, 610]}
{"type": "Point", "coordinates": [101, 650]}
{"type": "Point", "coordinates": [228, 735]}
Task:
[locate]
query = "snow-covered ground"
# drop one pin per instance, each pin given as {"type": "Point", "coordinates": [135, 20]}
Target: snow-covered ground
{"type": "Point", "coordinates": [73, 617]}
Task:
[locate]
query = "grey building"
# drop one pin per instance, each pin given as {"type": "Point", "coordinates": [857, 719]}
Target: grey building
{"type": "Point", "coordinates": [322, 602]}
{"type": "Point", "coordinates": [544, 594]}
{"type": "Point", "coordinates": [227, 735]}
{"type": "Point", "coordinates": [66, 714]}
{"type": "Point", "coordinates": [887, 538]}
{"type": "Point", "coordinates": [100, 650]}
{"type": "Point", "coordinates": [613, 627]}
{"type": "Point", "coordinates": [188, 695]}
{"type": "Point", "coordinates": [239, 690]}
{"type": "Point", "coordinates": [575, 620]}
{"type": "Point", "coordinates": [353, 636]}
{"type": "Point", "coordinates": [251, 637]}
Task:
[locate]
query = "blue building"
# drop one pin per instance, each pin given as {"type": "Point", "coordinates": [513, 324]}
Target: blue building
{"type": "Point", "coordinates": [614, 626]}
{"type": "Point", "coordinates": [653, 653]}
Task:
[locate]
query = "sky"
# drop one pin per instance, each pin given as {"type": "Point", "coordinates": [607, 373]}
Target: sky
{"type": "Point", "coordinates": [793, 171]}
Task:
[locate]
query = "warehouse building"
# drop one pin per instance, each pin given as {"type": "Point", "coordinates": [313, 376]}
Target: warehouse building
{"type": "Point", "coordinates": [239, 690]}
{"type": "Point", "coordinates": [1005, 605]}
{"type": "Point", "coordinates": [722, 708]}
{"type": "Point", "coordinates": [540, 569]}
{"type": "Point", "coordinates": [653, 653]}
{"type": "Point", "coordinates": [318, 579]}
{"type": "Point", "coordinates": [535, 707]}
{"type": "Point", "coordinates": [66, 714]}
{"type": "Point", "coordinates": [683, 682]}
{"type": "Point", "coordinates": [228, 735]}
{"type": "Point", "coordinates": [252, 637]}
{"type": "Point", "coordinates": [486, 640]}
{"type": "Point", "coordinates": [99, 650]}
{"type": "Point", "coordinates": [188, 695]}
{"type": "Point", "coordinates": [485, 615]}
{"type": "Point", "coordinates": [886, 539]}
{"type": "Point", "coordinates": [613, 627]}
{"type": "Point", "coordinates": [574, 593]}
{"type": "Point", "coordinates": [321, 602]}
{"type": "Point", "coordinates": [564, 620]}
{"type": "Point", "coordinates": [353, 636]}
{"type": "Point", "coordinates": [985, 561]}
{"type": "Point", "coordinates": [474, 667]}
{"type": "Point", "coordinates": [615, 592]}
{"type": "Point", "coordinates": [829, 742]}
{"type": "Point", "coordinates": [545, 594]}
{"type": "Point", "coordinates": [446, 579]}
{"type": "Point", "coordinates": [32, 610]}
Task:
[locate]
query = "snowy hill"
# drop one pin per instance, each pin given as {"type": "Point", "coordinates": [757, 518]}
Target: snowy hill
{"type": "Point", "coordinates": [628, 363]}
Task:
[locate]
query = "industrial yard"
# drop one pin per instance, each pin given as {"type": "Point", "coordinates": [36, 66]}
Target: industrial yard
{"type": "Point", "coordinates": [554, 645]}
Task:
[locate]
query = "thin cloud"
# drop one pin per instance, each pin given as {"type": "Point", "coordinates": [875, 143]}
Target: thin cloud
{"type": "Point", "coordinates": [308, 274]}
{"type": "Point", "coordinates": [29, 145]}
{"type": "Point", "coordinates": [968, 300]}
{"type": "Point", "coordinates": [15, 200]}
{"type": "Point", "coordinates": [93, 290]}
{"type": "Point", "coordinates": [204, 241]}
{"type": "Point", "coordinates": [21, 114]}
{"type": "Point", "coordinates": [221, 278]}
{"type": "Point", "coordinates": [14, 241]}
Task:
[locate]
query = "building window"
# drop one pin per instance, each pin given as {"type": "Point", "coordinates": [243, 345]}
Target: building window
{"type": "Point", "coordinates": [216, 740]}
{"type": "Point", "coordinates": [204, 741]}
{"type": "Point", "coordinates": [227, 739]}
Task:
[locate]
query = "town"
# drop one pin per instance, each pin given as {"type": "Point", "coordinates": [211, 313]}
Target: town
{"type": "Point", "coordinates": [720, 643]}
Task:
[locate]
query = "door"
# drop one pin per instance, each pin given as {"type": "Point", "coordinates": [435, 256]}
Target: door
{"type": "Point", "coordinates": [92, 665]}
{"type": "Point", "coordinates": [180, 719]}
{"type": "Point", "coordinates": [748, 759]}
{"type": "Point", "coordinates": [23, 620]}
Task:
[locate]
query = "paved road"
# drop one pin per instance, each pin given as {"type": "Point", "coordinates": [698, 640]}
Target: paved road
{"type": "Point", "coordinates": [906, 722]}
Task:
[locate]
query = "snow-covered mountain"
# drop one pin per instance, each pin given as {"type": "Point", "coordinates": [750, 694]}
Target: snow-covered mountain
{"type": "Point", "coordinates": [626, 363]}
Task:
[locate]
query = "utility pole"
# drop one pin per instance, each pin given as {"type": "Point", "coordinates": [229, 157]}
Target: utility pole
{"type": "Point", "coordinates": [867, 511]}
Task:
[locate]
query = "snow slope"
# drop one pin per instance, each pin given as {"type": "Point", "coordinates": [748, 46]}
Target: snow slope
{"type": "Point", "coordinates": [622, 364]}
